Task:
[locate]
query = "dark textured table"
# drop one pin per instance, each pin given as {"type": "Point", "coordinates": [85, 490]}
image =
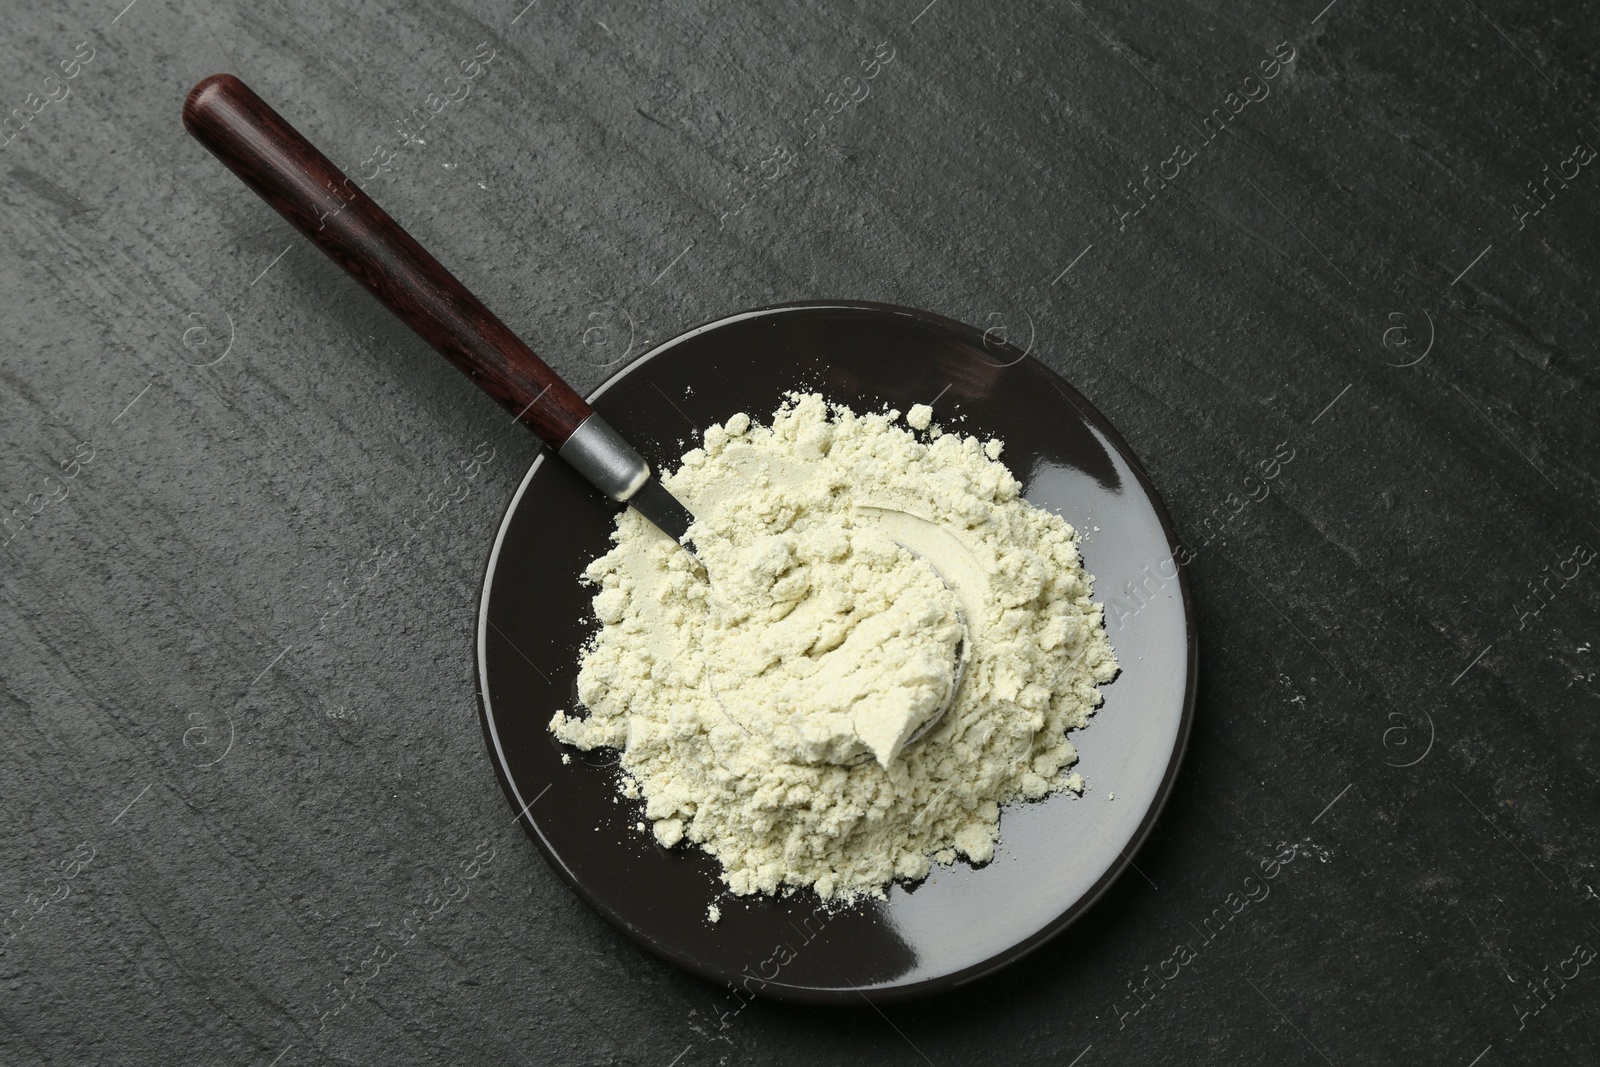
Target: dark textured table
{"type": "Point", "coordinates": [245, 513]}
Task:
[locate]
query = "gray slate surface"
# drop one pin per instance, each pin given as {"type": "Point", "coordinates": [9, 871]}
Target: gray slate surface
{"type": "Point", "coordinates": [238, 740]}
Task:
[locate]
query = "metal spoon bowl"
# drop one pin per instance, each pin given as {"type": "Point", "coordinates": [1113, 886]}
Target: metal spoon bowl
{"type": "Point", "coordinates": [961, 654]}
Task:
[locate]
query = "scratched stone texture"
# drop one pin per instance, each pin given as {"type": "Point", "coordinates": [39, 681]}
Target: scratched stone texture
{"type": "Point", "coordinates": [244, 515]}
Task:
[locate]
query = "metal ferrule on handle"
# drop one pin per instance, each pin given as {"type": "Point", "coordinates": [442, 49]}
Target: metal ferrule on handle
{"type": "Point", "coordinates": [600, 454]}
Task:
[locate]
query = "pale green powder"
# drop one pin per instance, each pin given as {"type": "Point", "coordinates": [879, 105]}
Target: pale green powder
{"type": "Point", "coordinates": [762, 715]}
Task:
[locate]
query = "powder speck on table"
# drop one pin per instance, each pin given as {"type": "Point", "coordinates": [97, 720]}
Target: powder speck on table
{"type": "Point", "coordinates": [764, 715]}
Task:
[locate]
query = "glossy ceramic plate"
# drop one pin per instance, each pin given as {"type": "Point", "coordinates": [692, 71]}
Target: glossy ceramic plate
{"type": "Point", "coordinates": [1055, 857]}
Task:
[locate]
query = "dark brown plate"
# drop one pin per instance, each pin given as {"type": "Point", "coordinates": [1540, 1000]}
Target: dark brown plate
{"type": "Point", "coordinates": [1055, 856]}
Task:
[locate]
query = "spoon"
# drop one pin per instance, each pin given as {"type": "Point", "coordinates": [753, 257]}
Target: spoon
{"type": "Point", "coordinates": [961, 655]}
{"type": "Point", "coordinates": [286, 170]}
{"type": "Point", "coordinates": [331, 210]}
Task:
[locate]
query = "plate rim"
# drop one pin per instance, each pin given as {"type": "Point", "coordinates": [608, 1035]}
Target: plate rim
{"type": "Point", "coordinates": [928, 986]}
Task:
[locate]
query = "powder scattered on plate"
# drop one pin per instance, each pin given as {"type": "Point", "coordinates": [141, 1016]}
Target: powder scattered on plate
{"type": "Point", "coordinates": [765, 715]}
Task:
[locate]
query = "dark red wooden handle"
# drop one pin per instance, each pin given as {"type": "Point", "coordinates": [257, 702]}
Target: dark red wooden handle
{"type": "Point", "coordinates": [286, 171]}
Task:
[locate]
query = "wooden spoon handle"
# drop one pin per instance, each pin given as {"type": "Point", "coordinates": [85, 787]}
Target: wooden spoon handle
{"type": "Point", "coordinates": [285, 170]}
